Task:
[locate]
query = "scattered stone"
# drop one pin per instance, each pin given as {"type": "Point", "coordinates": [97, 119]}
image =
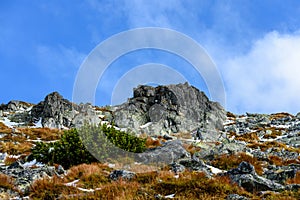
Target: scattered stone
{"type": "Point", "coordinates": [121, 174]}
{"type": "Point", "coordinates": [176, 167]}
{"type": "Point", "coordinates": [246, 177]}
{"type": "Point", "coordinates": [169, 152]}
{"type": "Point", "coordinates": [235, 197]}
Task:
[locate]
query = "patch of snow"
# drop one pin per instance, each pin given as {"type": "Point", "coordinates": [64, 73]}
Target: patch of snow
{"type": "Point", "coordinates": [29, 108]}
{"type": "Point", "coordinates": [281, 126]}
{"type": "Point", "coordinates": [14, 156]}
{"type": "Point", "coordinates": [85, 190]}
{"type": "Point", "coordinates": [146, 125]}
{"type": "Point", "coordinates": [101, 116]}
{"type": "Point", "coordinates": [228, 121]}
{"type": "Point", "coordinates": [170, 196]}
{"type": "Point", "coordinates": [104, 122]}
{"type": "Point", "coordinates": [111, 165]}
{"type": "Point", "coordinates": [3, 156]}
{"type": "Point", "coordinates": [8, 123]}
{"type": "Point", "coordinates": [39, 124]}
{"type": "Point", "coordinates": [73, 183]}
{"type": "Point", "coordinates": [32, 163]}
{"type": "Point", "coordinates": [215, 170]}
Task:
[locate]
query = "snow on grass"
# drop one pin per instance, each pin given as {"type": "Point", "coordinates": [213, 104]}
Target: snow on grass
{"type": "Point", "coordinates": [39, 124]}
{"type": "Point", "coordinates": [215, 170]}
{"type": "Point", "coordinates": [8, 123]}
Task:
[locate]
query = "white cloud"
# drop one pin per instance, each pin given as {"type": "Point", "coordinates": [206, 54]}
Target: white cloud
{"type": "Point", "coordinates": [266, 79]}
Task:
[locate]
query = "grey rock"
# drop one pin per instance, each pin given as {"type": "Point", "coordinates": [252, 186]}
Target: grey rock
{"type": "Point", "coordinates": [171, 109]}
{"type": "Point", "coordinates": [176, 167]}
{"type": "Point", "coordinates": [246, 177]}
{"type": "Point", "coordinates": [281, 173]}
{"type": "Point", "coordinates": [235, 197]}
{"type": "Point", "coordinates": [25, 176]}
{"type": "Point", "coordinates": [121, 174]}
{"type": "Point", "coordinates": [169, 152]}
{"type": "Point", "coordinates": [53, 111]}
{"type": "Point", "coordinates": [14, 106]}
{"type": "Point", "coordinates": [196, 165]}
{"type": "Point", "coordinates": [57, 112]}
{"type": "Point", "coordinates": [292, 187]}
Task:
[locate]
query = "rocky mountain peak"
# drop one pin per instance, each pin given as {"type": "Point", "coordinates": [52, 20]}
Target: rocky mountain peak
{"type": "Point", "coordinates": [170, 109]}
{"type": "Point", "coordinates": [52, 111]}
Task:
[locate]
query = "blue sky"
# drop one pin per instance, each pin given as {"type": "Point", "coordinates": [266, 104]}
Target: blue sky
{"type": "Point", "coordinates": [254, 44]}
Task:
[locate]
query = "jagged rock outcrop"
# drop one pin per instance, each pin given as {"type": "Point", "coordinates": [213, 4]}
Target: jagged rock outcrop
{"type": "Point", "coordinates": [54, 111]}
{"type": "Point", "coordinates": [57, 112]}
{"type": "Point", "coordinates": [169, 109]}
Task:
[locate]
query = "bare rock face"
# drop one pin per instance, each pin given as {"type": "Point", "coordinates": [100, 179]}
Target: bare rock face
{"type": "Point", "coordinates": [52, 111]}
{"type": "Point", "coordinates": [169, 109]}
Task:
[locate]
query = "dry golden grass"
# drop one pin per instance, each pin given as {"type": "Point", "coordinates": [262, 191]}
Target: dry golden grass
{"type": "Point", "coordinates": [247, 137]}
{"type": "Point", "coordinates": [182, 135]}
{"type": "Point", "coordinates": [276, 116]}
{"type": "Point", "coordinates": [14, 148]}
{"type": "Point", "coordinates": [275, 160]}
{"type": "Point", "coordinates": [272, 144]}
{"type": "Point", "coordinates": [46, 134]}
{"type": "Point", "coordinates": [275, 132]}
{"type": "Point", "coordinates": [295, 180]}
{"type": "Point", "coordinates": [191, 148]}
{"type": "Point", "coordinates": [49, 188]}
{"type": "Point", "coordinates": [231, 115]}
{"type": "Point", "coordinates": [227, 162]}
{"type": "Point", "coordinates": [9, 160]}
{"type": "Point", "coordinates": [6, 182]}
{"type": "Point", "coordinates": [4, 128]}
{"type": "Point", "coordinates": [151, 143]}
{"type": "Point", "coordinates": [189, 185]}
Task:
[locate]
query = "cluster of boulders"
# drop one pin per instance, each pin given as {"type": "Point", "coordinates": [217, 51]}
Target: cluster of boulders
{"type": "Point", "coordinates": [168, 112]}
{"type": "Point", "coordinates": [53, 112]}
{"type": "Point", "coordinates": [25, 173]}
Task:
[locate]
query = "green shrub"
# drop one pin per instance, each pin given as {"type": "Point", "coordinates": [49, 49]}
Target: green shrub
{"type": "Point", "coordinates": [87, 144]}
{"type": "Point", "coordinates": [105, 142]}
{"type": "Point", "coordinates": [68, 151]}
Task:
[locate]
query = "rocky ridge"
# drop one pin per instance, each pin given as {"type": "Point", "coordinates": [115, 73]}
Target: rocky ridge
{"type": "Point", "coordinates": [196, 134]}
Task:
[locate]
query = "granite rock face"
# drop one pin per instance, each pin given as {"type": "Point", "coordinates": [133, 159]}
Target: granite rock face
{"type": "Point", "coordinates": [169, 109]}
{"type": "Point", "coordinates": [52, 111]}
{"type": "Point", "coordinates": [57, 112]}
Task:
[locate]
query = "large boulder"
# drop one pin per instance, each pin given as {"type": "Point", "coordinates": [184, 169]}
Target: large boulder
{"type": "Point", "coordinates": [169, 109]}
{"type": "Point", "coordinates": [169, 152]}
